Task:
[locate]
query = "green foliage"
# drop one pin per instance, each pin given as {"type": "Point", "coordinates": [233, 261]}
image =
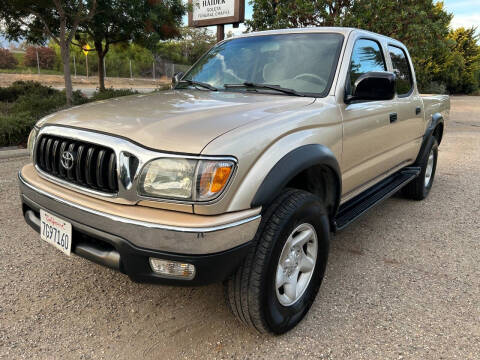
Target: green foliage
{"type": "Point", "coordinates": [46, 57]}
{"type": "Point", "coordinates": [23, 103]}
{"type": "Point", "coordinates": [112, 93]}
{"type": "Point", "coordinates": [297, 13]}
{"type": "Point", "coordinates": [462, 68]}
{"type": "Point", "coordinates": [144, 22]}
{"type": "Point", "coordinates": [7, 60]}
{"type": "Point", "coordinates": [117, 61]}
{"type": "Point", "coordinates": [188, 49]}
{"type": "Point", "coordinates": [37, 21]}
{"type": "Point", "coordinates": [420, 24]}
{"type": "Point", "coordinates": [441, 58]}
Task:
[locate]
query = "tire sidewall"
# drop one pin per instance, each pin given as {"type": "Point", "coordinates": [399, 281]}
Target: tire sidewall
{"type": "Point", "coordinates": [433, 146]}
{"type": "Point", "coordinates": [281, 318]}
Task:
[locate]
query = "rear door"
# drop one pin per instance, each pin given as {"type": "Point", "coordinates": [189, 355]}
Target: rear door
{"type": "Point", "coordinates": [409, 126]}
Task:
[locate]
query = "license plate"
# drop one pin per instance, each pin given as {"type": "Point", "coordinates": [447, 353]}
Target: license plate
{"type": "Point", "coordinates": [56, 232]}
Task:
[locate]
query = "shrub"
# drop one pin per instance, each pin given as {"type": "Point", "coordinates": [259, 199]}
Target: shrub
{"type": "Point", "coordinates": [7, 60]}
{"type": "Point", "coordinates": [32, 88]}
{"type": "Point", "coordinates": [46, 57]}
{"type": "Point", "coordinates": [22, 104]}
{"type": "Point", "coordinates": [111, 93]}
{"type": "Point", "coordinates": [434, 87]}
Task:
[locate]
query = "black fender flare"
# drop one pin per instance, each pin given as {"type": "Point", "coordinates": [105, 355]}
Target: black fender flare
{"type": "Point", "coordinates": [293, 164]}
{"type": "Point", "coordinates": [437, 119]}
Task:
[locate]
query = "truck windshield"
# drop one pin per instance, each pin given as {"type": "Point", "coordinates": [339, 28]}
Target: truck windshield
{"type": "Point", "coordinates": [304, 63]}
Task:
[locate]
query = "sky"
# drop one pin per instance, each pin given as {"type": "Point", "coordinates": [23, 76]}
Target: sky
{"type": "Point", "coordinates": [466, 13]}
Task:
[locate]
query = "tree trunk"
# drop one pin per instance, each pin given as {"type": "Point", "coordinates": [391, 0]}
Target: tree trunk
{"type": "Point", "coordinates": [65, 53]}
{"type": "Point", "coordinates": [101, 71]}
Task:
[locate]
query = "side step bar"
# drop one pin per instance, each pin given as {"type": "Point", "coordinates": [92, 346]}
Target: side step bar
{"type": "Point", "coordinates": [360, 204]}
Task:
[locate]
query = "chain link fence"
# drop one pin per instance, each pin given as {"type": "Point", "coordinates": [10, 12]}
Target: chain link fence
{"type": "Point", "coordinates": [125, 68]}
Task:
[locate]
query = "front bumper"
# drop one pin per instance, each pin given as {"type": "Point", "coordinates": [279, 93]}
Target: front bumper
{"type": "Point", "coordinates": [126, 244]}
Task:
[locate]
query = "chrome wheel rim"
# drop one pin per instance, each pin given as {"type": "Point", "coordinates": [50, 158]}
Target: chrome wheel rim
{"type": "Point", "coordinates": [296, 264]}
{"type": "Point", "coordinates": [429, 169]}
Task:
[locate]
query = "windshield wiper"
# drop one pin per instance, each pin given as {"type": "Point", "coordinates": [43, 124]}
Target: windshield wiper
{"type": "Point", "coordinates": [199, 83]}
{"type": "Point", "coordinates": [252, 85]}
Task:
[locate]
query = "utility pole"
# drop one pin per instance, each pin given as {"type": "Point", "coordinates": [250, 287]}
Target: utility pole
{"type": "Point", "coordinates": [74, 66]}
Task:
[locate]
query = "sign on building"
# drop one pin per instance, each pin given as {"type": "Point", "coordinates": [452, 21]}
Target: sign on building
{"type": "Point", "coordinates": [216, 12]}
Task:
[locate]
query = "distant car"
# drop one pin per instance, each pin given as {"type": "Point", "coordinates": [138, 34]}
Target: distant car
{"type": "Point", "coordinates": [240, 173]}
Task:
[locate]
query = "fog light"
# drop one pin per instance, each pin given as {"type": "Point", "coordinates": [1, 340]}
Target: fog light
{"type": "Point", "coordinates": [172, 269]}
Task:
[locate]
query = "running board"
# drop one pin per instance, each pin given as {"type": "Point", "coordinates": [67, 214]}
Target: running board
{"type": "Point", "coordinates": [360, 204]}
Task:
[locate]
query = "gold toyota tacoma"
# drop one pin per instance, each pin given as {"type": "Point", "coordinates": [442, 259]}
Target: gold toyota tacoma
{"type": "Point", "coordinates": [240, 173]}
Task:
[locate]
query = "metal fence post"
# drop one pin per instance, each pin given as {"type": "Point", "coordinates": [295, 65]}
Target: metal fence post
{"type": "Point", "coordinates": [38, 61]}
{"type": "Point", "coordinates": [131, 76]}
{"type": "Point", "coordinates": [153, 71]}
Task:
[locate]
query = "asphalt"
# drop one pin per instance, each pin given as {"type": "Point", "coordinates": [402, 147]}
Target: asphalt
{"type": "Point", "coordinates": [402, 283]}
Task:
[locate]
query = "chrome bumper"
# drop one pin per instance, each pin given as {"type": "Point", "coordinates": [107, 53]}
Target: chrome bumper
{"type": "Point", "coordinates": [147, 235]}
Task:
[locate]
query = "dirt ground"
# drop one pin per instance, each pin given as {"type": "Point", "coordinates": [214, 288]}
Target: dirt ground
{"type": "Point", "coordinates": [402, 283]}
{"type": "Point", "coordinates": [84, 82]}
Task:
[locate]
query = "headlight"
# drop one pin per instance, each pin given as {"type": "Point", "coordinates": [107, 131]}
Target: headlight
{"type": "Point", "coordinates": [32, 138]}
{"type": "Point", "coordinates": [185, 179]}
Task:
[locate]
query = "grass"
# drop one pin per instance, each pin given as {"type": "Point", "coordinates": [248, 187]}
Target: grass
{"type": "Point", "coordinates": [23, 103]}
{"type": "Point", "coordinates": [29, 70]}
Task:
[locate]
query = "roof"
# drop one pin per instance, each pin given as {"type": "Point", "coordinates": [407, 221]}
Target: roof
{"type": "Point", "coordinates": [324, 29]}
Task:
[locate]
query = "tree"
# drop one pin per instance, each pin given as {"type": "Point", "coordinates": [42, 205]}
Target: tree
{"type": "Point", "coordinates": [462, 69]}
{"type": "Point", "coordinates": [36, 21]}
{"type": "Point", "coordinates": [142, 21]}
{"type": "Point", "coordinates": [297, 13]}
{"type": "Point", "coordinates": [194, 42]}
{"type": "Point", "coordinates": [7, 60]}
{"type": "Point", "coordinates": [46, 57]}
{"type": "Point", "coordinates": [420, 24]}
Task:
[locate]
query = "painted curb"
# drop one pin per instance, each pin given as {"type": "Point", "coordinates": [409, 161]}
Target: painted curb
{"type": "Point", "coordinates": [11, 154]}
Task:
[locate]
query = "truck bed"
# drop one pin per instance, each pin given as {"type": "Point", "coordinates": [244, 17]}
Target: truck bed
{"type": "Point", "coordinates": [436, 104]}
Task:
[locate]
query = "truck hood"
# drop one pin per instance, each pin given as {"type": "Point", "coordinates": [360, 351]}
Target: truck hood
{"type": "Point", "coordinates": [176, 120]}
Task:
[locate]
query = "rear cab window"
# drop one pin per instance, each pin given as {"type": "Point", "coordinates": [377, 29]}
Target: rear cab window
{"type": "Point", "coordinates": [367, 56]}
{"type": "Point", "coordinates": [401, 68]}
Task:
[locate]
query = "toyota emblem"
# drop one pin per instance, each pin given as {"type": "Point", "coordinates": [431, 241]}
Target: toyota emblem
{"type": "Point", "coordinates": [67, 160]}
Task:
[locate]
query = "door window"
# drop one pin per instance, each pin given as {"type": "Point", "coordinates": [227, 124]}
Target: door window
{"type": "Point", "coordinates": [367, 56]}
{"type": "Point", "coordinates": [401, 68]}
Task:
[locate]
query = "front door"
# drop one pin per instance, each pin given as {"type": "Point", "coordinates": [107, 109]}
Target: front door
{"type": "Point", "coordinates": [366, 124]}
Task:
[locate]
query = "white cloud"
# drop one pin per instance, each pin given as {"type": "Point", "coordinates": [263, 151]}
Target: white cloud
{"type": "Point", "coordinates": [466, 20]}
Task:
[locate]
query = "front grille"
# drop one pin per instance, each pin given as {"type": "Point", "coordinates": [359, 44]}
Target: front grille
{"type": "Point", "coordinates": [93, 166]}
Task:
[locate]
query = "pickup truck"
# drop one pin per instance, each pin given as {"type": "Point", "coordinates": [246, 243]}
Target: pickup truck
{"type": "Point", "coordinates": [270, 143]}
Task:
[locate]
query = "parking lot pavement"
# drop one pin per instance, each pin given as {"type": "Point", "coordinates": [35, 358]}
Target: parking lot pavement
{"type": "Point", "coordinates": [402, 283]}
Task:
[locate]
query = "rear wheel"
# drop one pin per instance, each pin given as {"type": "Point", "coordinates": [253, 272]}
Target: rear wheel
{"type": "Point", "coordinates": [419, 188]}
{"type": "Point", "coordinates": [278, 281]}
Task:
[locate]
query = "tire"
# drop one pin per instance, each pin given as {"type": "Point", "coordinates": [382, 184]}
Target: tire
{"type": "Point", "coordinates": [252, 292]}
{"type": "Point", "coordinates": [419, 188]}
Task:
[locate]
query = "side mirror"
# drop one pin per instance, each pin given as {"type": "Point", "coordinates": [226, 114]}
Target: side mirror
{"type": "Point", "coordinates": [373, 86]}
{"type": "Point", "coordinates": [176, 77]}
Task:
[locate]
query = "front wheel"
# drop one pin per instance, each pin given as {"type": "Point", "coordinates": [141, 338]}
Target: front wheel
{"type": "Point", "coordinates": [277, 283]}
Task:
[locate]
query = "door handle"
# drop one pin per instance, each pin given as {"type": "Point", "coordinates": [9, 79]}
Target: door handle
{"type": "Point", "coordinates": [393, 117]}
{"type": "Point", "coordinates": [418, 110]}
